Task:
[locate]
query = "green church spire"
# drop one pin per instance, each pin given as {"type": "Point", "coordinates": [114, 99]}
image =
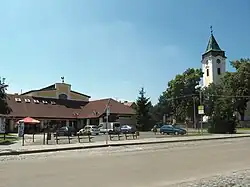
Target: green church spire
{"type": "Point", "coordinates": [212, 43]}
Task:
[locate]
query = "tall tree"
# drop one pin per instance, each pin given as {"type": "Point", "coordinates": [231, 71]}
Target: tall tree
{"type": "Point", "coordinates": [178, 99]}
{"type": "Point", "coordinates": [4, 108]}
{"type": "Point", "coordinates": [143, 107]}
{"type": "Point", "coordinates": [239, 82]}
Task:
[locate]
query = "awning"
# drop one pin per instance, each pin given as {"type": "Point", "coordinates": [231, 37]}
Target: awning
{"type": "Point", "coordinates": [30, 120]}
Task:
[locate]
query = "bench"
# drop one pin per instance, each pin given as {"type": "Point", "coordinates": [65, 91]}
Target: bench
{"type": "Point", "coordinates": [111, 136]}
{"type": "Point", "coordinates": [80, 137]}
{"type": "Point", "coordinates": [57, 138]}
{"type": "Point", "coordinates": [134, 136]}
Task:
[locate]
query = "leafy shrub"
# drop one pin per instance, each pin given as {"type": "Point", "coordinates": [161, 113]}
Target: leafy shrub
{"type": "Point", "coordinates": [218, 125]}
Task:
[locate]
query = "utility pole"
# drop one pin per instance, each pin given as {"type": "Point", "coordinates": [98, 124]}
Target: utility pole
{"type": "Point", "coordinates": [107, 120]}
{"type": "Point", "coordinates": [194, 105]}
{"type": "Point", "coordinates": [201, 114]}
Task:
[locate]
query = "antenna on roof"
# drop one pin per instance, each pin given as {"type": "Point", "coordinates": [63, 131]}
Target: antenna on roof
{"type": "Point", "coordinates": [21, 91]}
{"type": "Point", "coordinates": [62, 79]}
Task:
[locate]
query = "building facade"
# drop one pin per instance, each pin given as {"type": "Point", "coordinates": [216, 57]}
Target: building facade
{"type": "Point", "coordinates": [58, 105]}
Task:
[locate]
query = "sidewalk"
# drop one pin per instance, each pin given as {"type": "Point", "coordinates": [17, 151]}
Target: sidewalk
{"type": "Point", "coordinates": [17, 149]}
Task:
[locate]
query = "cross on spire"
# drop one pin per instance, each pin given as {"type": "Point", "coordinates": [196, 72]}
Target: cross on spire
{"type": "Point", "coordinates": [62, 79]}
{"type": "Point", "coordinates": [211, 28]}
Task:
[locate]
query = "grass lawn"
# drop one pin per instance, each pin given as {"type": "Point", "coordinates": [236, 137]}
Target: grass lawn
{"type": "Point", "coordinates": [9, 139]}
{"type": "Point", "coordinates": [243, 129]}
{"type": "Point", "coordinates": [198, 134]}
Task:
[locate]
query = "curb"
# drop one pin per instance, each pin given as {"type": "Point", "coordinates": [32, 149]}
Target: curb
{"type": "Point", "coordinates": [113, 145]}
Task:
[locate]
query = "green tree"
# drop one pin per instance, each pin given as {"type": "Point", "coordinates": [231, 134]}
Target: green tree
{"type": "Point", "coordinates": [143, 107]}
{"type": "Point", "coordinates": [220, 107]}
{"type": "Point", "coordinates": [212, 94]}
{"type": "Point", "coordinates": [4, 108]}
{"type": "Point", "coordinates": [178, 99]}
{"type": "Point", "coordinates": [238, 84]}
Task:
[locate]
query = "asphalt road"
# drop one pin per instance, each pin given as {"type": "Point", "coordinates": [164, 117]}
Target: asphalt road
{"type": "Point", "coordinates": [134, 166]}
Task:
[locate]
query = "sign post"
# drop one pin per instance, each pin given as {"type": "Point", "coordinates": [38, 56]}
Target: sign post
{"type": "Point", "coordinates": [2, 126]}
{"type": "Point", "coordinates": [201, 112]}
{"type": "Point", "coordinates": [21, 130]}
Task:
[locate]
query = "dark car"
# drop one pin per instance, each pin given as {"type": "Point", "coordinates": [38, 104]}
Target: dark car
{"type": "Point", "coordinates": [66, 131]}
{"type": "Point", "coordinates": [128, 129]}
{"type": "Point", "coordinates": [170, 129]}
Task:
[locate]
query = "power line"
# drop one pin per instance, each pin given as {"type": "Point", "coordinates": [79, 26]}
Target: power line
{"type": "Point", "coordinates": [221, 96]}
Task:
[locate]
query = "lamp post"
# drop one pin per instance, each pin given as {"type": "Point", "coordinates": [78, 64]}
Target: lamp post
{"type": "Point", "coordinates": [107, 110]}
{"type": "Point", "coordinates": [200, 94]}
{"type": "Point", "coordinates": [76, 114]}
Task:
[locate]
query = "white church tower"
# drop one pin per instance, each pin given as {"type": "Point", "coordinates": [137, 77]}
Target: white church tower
{"type": "Point", "coordinates": [213, 62]}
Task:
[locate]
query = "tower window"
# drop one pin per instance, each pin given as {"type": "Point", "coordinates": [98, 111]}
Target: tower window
{"type": "Point", "coordinates": [207, 72]}
{"type": "Point", "coordinates": [218, 71]}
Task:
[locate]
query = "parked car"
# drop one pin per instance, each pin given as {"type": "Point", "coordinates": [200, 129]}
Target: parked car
{"type": "Point", "coordinates": [89, 129]}
{"type": "Point", "coordinates": [66, 131]}
{"type": "Point", "coordinates": [110, 128]}
{"type": "Point", "coordinates": [128, 129]}
{"type": "Point", "coordinates": [170, 129]}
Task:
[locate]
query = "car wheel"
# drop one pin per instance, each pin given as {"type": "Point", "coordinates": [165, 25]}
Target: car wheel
{"type": "Point", "coordinates": [176, 133]}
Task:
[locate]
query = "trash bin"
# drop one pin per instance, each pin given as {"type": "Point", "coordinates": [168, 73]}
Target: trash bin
{"type": "Point", "coordinates": [48, 136]}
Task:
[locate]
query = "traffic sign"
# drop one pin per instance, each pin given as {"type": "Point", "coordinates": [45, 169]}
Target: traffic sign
{"type": "Point", "coordinates": [201, 109]}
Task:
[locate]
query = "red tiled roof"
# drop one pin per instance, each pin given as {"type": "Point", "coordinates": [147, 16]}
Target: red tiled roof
{"type": "Point", "coordinates": [96, 108]}
{"type": "Point", "coordinates": [63, 109]}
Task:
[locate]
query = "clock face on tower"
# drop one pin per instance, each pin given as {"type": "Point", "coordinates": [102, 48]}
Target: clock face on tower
{"type": "Point", "coordinates": [206, 62]}
{"type": "Point", "coordinates": [218, 61]}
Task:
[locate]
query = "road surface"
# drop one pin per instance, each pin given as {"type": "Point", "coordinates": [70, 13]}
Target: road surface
{"type": "Point", "coordinates": [134, 166]}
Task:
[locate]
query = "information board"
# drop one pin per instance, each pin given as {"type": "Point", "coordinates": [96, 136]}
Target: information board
{"type": "Point", "coordinates": [20, 128]}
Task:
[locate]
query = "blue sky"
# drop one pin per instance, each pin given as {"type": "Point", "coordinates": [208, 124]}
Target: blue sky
{"type": "Point", "coordinates": [111, 48]}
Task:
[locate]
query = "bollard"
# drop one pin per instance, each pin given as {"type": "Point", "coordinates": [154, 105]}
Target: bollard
{"type": "Point", "coordinates": [89, 138]}
{"type": "Point", "coordinates": [23, 140]}
{"type": "Point", "coordinates": [78, 136]}
{"type": "Point", "coordinates": [43, 138]}
{"type": "Point", "coordinates": [56, 138]}
{"type": "Point", "coordinates": [69, 139]}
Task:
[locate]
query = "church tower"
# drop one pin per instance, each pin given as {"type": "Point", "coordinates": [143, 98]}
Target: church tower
{"type": "Point", "coordinates": [213, 62]}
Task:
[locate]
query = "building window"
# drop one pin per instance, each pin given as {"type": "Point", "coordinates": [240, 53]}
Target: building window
{"type": "Point", "coordinates": [218, 71]}
{"type": "Point", "coordinates": [63, 96]}
{"type": "Point", "coordinates": [207, 72]}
